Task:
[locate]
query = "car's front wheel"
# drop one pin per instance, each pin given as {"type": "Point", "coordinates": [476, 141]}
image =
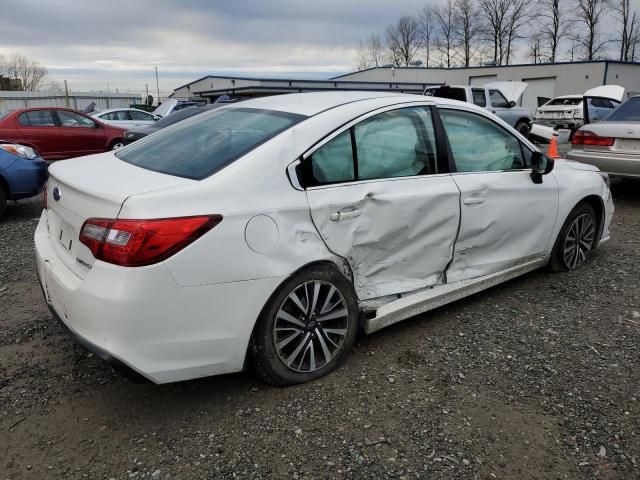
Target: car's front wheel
{"type": "Point", "coordinates": [116, 145]}
{"type": "Point", "coordinates": [523, 129]}
{"type": "Point", "coordinates": [576, 240]}
{"type": "Point", "coordinates": [306, 329]}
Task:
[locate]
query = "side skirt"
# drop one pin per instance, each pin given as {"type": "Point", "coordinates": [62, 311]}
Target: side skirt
{"type": "Point", "coordinates": [411, 305]}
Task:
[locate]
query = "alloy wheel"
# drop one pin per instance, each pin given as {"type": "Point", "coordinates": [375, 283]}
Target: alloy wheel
{"type": "Point", "coordinates": [311, 326]}
{"type": "Point", "coordinates": [578, 241]}
{"type": "Point", "coordinates": [117, 146]}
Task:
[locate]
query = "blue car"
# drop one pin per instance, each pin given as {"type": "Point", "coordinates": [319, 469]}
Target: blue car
{"type": "Point", "coordinates": [23, 173]}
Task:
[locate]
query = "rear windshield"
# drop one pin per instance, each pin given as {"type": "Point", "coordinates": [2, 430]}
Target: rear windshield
{"type": "Point", "coordinates": [447, 92]}
{"type": "Point", "coordinates": [203, 145]}
{"type": "Point", "coordinates": [629, 111]}
{"type": "Point", "coordinates": [564, 101]}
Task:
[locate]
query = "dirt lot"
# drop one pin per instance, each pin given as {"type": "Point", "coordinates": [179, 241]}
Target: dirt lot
{"type": "Point", "coordinates": [538, 378]}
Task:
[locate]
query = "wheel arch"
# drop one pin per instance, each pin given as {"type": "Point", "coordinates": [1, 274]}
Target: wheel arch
{"type": "Point", "coordinates": [342, 267]}
{"type": "Point", "coordinates": [5, 185]}
{"type": "Point", "coordinates": [595, 202]}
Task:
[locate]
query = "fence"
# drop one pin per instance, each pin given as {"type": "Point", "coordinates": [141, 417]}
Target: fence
{"type": "Point", "coordinates": [79, 100]}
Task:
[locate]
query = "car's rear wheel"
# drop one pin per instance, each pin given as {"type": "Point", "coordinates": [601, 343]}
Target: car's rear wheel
{"type": "Point", "coordinates": [523, 129]}
{"type": "Point", "coordinates": [3, 200]}
{"type": "Point", "coordinates": [306, 329]}
{"type": "Point", "coordinates": [116, 145]}
{"type": "Point", "coordinates": [576, 240]}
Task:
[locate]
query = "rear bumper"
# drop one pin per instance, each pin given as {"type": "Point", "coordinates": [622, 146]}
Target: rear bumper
{"type": "Point", "coordinates": [141, 321]}
{"type": "Point", "coordinates": [558, 123]}
{"type": "Point", "coordinates": [617, 164]}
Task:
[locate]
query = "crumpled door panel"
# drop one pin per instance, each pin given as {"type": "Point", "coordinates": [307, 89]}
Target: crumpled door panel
{"type": "Point", "coordinates": [397, 235]}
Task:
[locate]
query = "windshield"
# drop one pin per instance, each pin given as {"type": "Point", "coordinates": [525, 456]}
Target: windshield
{"type": "Point", "coordinates": [629, 111]}
{"type": "Point", "coordinates": [177, 116]}
{"type": "Point", "coordinates": [207, 143]}
{"type": "Point", "coordinates": [564, 101]}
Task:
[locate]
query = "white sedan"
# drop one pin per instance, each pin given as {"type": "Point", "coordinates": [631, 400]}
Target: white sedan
{"type": "Point", "coordinates": [267, 233]}
{"type": "Point", "coordinates": [125, 117]}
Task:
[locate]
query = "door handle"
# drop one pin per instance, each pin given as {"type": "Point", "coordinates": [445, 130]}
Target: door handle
{"type": "Point", "coordinates": [473, 200]}
{"type": "Point", "coordinates": [337, 216]}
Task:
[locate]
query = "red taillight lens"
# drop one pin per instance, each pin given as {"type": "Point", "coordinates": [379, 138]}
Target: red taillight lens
{"type": "Point", "coordinates": [582, 137]}
{"type": "Point", "coordinates": [134, 243]}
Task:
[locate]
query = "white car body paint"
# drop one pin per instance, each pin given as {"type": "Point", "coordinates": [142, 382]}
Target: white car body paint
{"type": "Point", "coordinates": [614, 92]}
{"type": "Point", "coordinates": [103, 116]}
{"type": "Point", "coordinates": [192, 314]}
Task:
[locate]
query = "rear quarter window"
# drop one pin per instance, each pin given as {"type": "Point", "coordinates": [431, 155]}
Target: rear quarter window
{"type": "Point", "coordinates": [199, 147]}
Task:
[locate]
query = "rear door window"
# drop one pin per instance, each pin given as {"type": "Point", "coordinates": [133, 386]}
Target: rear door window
{"type": "Point", "coordinates": [203, 145]}
{"type": "Point", "coordinates": [479, 97]}
{"type": "Point", "coordinates": [37, 118]}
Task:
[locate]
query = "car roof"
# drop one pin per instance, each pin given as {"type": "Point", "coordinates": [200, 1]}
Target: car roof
{"type": "Point", "coordinates": [109, 110]}
{"type": "Point", "coordinates": [312, 103]}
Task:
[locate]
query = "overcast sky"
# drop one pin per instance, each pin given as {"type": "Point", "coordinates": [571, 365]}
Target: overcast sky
{"type": "Point", "coordinates": [93, 43]}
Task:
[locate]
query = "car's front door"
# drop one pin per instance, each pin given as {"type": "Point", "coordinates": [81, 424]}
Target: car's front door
{"type": "Point", "coordinates": [506, 218]}
{"type": "Point", "coordinates": [380, 201]}
{"type": "Point", "coordinates": [501, 106]}
{"type": "Point", "coordinates": [82, 135]}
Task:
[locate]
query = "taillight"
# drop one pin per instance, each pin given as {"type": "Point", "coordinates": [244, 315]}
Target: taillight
{"type": "Point", "coordinates": [582, 137]}
{"type": "Point", "coordinates": [134, 243]}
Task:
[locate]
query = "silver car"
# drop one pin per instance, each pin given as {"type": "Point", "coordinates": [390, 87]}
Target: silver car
{"type": "Point", "coordinates": [613, 145]}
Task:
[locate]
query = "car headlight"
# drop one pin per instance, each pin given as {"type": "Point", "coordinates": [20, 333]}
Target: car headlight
{"type": "Point", "coordinates": [19, 150]}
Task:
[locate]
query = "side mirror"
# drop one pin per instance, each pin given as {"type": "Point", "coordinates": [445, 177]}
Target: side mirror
{"type": "Point", "coordinates": [157, 117]}
{"type": "Point", "coordinates": [540, 165]}
{"type": "Point", "coordinates": [512, 104]}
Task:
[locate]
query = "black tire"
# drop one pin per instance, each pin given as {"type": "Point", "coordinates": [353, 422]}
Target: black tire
{"type": "Point", "coordinates": [3, 200]}
{"type": "Point", "coordinates": [560, 261]}
{"type": "Point", "coordinates": [116, 145]}
{"type": "Point", "coordinates": [268, 360]}
{"type": "Point", "coordinates": [523, 128]}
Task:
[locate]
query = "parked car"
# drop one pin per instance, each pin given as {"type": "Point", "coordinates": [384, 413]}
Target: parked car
{"type": "Point", "coordinates": [267, 233]}
{"type": "Point", "coordinates": [567, 111]}
{"type": "Point", "coordinates": [57, 133]}
{"type": "Point", "coordinates": [498, 97]}
{"type": "Point", "coordinates": [22, 173]}
{"type": "Point", "coordinates": [613, 144]}
{"type": "Point", "coordinates": [172, 105]}
{"type": "Point", "coordinates": [137, 133]}
{"type": "Point", "coordinates": [125, 117]}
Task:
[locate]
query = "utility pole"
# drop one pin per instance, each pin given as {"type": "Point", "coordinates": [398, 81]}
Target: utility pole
{"type": "Point", "coordinates": [66, 94]}
{"type": "Point", "coordinates": [146, 93]}
{"type": "Point", "coordinates": [157, 87]}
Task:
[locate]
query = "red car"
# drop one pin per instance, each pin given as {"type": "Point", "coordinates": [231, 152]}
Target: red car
{"type": "Point", "coordinates": [57, 133]}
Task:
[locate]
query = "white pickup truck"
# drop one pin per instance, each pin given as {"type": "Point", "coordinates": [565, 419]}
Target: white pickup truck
{"type": "Point", "coordinates": [498, 97]}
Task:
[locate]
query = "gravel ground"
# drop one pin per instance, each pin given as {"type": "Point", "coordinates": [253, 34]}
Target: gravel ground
{"type": "Point", "coordinates": [537, 378]}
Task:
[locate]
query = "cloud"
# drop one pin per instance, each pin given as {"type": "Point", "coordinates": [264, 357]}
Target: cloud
{"type": "Point", "coordinates": [119, 42]}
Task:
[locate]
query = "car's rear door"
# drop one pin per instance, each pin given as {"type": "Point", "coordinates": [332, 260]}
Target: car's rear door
{"type": "Point", "coordinates": [506, 218]}
{"type": "Point", "coordinates": [380, 198]}
{"type": "Point", "coordinates": [39, 129]}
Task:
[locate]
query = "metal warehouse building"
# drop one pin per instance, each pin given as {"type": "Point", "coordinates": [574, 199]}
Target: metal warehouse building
{"type": "Point", "coordinates": [544, 80]}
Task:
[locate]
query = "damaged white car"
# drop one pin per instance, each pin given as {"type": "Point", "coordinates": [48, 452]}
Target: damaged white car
{"type": "Point", "coordinates": [267, 233]}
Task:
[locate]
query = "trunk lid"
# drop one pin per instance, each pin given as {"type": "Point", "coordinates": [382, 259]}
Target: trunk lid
{"type": "Point", "coordinates": [94, 186]}
{"type": "Point", "coordinates": [627, 137]}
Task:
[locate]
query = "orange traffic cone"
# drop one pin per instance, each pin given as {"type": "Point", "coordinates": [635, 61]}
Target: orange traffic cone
{"type": "Point", "coordinates": [552, 151]}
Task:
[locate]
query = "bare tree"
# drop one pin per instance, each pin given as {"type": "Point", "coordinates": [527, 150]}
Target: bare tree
{"type": "Point", "coordinates": [28, 73]}
{"type": "Point", "coordinates": [494, 14]}
{"type": "Point", "coordinates": [630, 23]}
{"type": "Point", "coordinates": [446, 20]}
{"type": "Point", "coordinates": [468, 28]}
{"type": "Point", "coordinates": [369, 52]}
{"type": "Point", "coordinates": [404, 40]}
{"type": "Point", "coordinates": [428, 29]}
{"type": "Point", "coordinates": [553, 26]}
{"type": "Point", "coordinates": [591, 13]}
{"type": "Point", "coordinates": [535, 48]}
{"type": "Point", "coordinates": [518, 15]}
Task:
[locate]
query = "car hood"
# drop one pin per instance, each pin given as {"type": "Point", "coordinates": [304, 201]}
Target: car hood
{"type": "Point", "coordinates": [614, 92]}
{"type": "Point", "coordinates": [512, 90]}
{"type": "Point", "coordinates": [165, 107]}
{"type": "Point", "coordinates": [144, 130]}
{"type": "Point", "coordinates": [585, 167]}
